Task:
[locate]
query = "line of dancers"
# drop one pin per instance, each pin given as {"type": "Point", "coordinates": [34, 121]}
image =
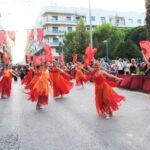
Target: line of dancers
{"type": "Point", "coordinates": [49, 79]}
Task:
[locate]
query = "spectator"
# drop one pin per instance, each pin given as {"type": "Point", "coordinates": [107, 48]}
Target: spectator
{"type": "Point", "coordinates": [113, 67]}
{"type": "Point", "coordinates": [133, 66]}
{"type": "Point", "coordinates": [120, 66]}
{"type": "Point", "coordinates": [103, 64]}
{"type": "Point", "coordinates": [127, 67]}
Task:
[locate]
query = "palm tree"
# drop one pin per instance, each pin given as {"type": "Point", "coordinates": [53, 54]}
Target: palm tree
{"type": "Point", "coordinates": [147, 6]}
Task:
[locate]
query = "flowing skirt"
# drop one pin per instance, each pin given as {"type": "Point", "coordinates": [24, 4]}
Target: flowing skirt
{"type": "Point", "coordinates": [5, 85]}
{"type": "Point", "coordinates": [60, 85]}
{"type": "Point", "coordinates": [106, 99]}
{"type": "Point", "coordinates": [27, 79]}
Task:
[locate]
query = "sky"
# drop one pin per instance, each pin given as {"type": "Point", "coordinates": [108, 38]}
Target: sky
{"type": "Point", "coordinates": [21, 14]}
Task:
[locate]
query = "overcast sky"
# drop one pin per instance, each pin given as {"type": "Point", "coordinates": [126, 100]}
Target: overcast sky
{"type": "Point", "coordinates": [26, 11]}
{"type": "Point", "coordinates": [124, 5]}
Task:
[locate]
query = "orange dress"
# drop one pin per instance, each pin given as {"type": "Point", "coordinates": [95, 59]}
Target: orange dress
{"type": "Point", "coordinates": [59, 84]}
{"type": "Point", "coordinates": [33, 80]}
{"type": "Point", "coordinates": [40, 88]}
{"type": "Point", "coordinates": [106, 99]}
{"type": "Point", "coordinates": [79, 76]}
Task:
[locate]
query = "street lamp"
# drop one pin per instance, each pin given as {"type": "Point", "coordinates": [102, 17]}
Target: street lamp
{"type": "Point", "coordinates": [106, 42]}
{"type": "Point", "coordinates": [91, 37]}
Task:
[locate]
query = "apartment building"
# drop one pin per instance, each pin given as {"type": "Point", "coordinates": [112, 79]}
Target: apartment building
{"type": "Point", "coordinates": [55, 24]}
{"type": "Point", "coordinates": [57, 20]}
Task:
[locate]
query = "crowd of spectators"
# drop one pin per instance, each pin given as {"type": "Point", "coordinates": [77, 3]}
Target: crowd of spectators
{"type": "Point", "coordinates": [122, 66]}
{"type": "Point", "coordinates": [126, 66]}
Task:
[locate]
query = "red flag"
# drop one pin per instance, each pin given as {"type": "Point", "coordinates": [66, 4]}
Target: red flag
{"type": "Point", "coordinates": [61, 58]}
{"type": "Point", "coordinates": [40, 34]}
{"type": "Point", "coordinates": [2, 37]}
{"type": "Point", "coordinates": [75, 57]}
{"type": "Point", "coordinates": [145, 46]}
{"type": "Point", "coordinates": [5, 58]}
{"type": "Point", "coordinates": [37, 60]}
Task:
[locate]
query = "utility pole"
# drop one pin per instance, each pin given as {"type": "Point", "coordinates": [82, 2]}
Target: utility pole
{"type": "Point", "coordinates": [91, 37]}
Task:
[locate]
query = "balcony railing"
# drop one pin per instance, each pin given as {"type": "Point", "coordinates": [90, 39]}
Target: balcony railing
{"type": "Point", "coordinates": [53, 44]}
{"type": "Point", "coordinates": [53, 32]}
{"type": "Point", "coordinates": [59, 21]}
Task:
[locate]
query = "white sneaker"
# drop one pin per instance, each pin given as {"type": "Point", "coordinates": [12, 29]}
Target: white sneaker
{"type": "Point", "coordinates": [107, 117]}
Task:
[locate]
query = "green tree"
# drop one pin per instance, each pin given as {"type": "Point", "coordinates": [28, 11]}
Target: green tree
{"type": "Point", "coordinates": [147, 6]}
{"type": "Point", "coordinates": [76, 42]}
{"type": "Point", "coordinates": [110, 33]}
{"type": "Point", "coordinates": [136, 34]}
{"type": "Point", "coordinates": [69, 44]}
{"type": "Point", "coordinates": [127, 49]}
{"type": "Point", "coordinates": [81, 39]}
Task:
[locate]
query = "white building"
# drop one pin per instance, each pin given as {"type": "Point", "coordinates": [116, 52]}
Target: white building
{"type": "Point", "coordinates": [57, 20]}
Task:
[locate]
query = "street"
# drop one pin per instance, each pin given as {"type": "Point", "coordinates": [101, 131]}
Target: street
{"type": "Point", "coordinates": [72, 123]}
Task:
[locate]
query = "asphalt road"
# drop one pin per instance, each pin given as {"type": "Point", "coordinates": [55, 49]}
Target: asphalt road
{"type": "Point", "coordinates": [72, 123]}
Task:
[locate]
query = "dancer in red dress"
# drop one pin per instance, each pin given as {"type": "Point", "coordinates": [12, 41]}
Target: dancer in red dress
{"type": "Point", "coordinates": [60, 85]}
{"type": "Point", "coordinates": [106, 99]}
{"type": "Point", "coordinates": [39, 87]}
{"type": "Point", "coordinates": [6, 81]}
{"type": "Point", "coordinates": [37, 73]}
{"type": "Point", "coordinates": [65, 73]}
{"type": "Point", "coordinates": [80, 76]}
{"type": "Point", "coordinates": [27, 79]}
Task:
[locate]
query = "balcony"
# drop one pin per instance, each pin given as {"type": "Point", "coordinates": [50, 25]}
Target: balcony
{"type": "Point", "coordinates": [53, 32]}
{"type": "Point", "coordinates": [53, 44]}
{"type": "Point", "coordinates": [59, 22]}
{"type": "Point", "coordinates": [118, 21]}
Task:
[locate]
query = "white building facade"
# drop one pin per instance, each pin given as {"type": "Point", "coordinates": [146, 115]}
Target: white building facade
{"type": "Point", "coordinates": [57, 20]}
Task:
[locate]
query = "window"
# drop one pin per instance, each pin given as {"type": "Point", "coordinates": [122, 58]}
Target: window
{"type": "Point", "coordinates": [93, 18]}
{"type": "Point", "coordinates": [130, 20]}
{"type": "Point", "coordinates": [55, 40]}
{"type": "Point", "coordinates": [69, 29]}
{"type": "Point", "coordinates": [55, 29]}
{"type": "Point", "coordinates": [139, 21]}
{"type": "Point", "coordinates": [103, 19]}
{"type": "Point", "coordinates": [88, 28]}
{"type": "Point", "coordinates": [78, 19]}
{"type": "Point", "coordinates": [68, 18]}
{"type": "Point", "coordinates": [54, 17]}
{"type": "Point", "coordinates": [57, 50]}
{"type": "Point", "coordinates": [117, 22]}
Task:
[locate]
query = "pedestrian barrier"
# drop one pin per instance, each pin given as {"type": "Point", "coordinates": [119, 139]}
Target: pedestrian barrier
{"type": "Point", "coordinates": [135, 82]}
